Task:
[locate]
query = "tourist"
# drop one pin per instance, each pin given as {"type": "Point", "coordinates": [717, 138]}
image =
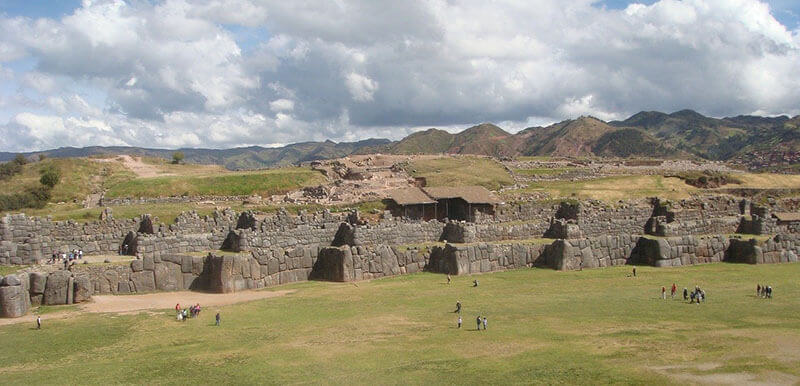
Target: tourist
{"type": "Point", "coordinates": [663, 292]}
{"type": "Point", "coordinates": [475, 283]}
{"type": "Point", "coordinates": [458, 307]}
{"type": "Point", "coordinates": [478, 320]}
{"type": "Point", "coordinates": [217, 319]}
{"type": "Point", "coordinates": [80, 254]}
{"type": "Point", "coordinates": [38, 322]}
{"type": "Point", "coordinates": [185, 314]}
{"type": "Point", "coordinates": [685, 293]}
{"type": "Point", "coordinates": [448, 278]}
{"type": "Point", "coordinates": [769, 291]}
{"type": "Point", "coordinates": [484, 323]}
{"type": "Point", "coordinates": [674, 290]}
{"type": "Point", "coordinates": [180, 315]}
{"type": "Point", "coordinates": [459, 321]}
{"type": "Point", "coordinates": [634, 271]}
{"type": "Point", "coordinates": [197, 309]}
{"type": "Point", "coordinates": [177, 307]}
{"type": "Point", "coordinates": [758, 289]}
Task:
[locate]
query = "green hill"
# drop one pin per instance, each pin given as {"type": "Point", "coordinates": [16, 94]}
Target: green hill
{"type": "Point", "coordinates": [431, 141]}
{"type": "Point", "coordinates": [630, 142]}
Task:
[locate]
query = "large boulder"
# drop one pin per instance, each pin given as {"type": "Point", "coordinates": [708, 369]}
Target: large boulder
{"type": "Point", "coordinates": [13, 301]}
{"type": "Point", "coordinates": [220, 277]}
{"type": "Point", "coordinates": [143, 281]}
{"type": "Point", "coordinates": [11, 280]}
{"type": "Point", "coordinates": [38, 281]}
{"type": "Point", "coordinates": [57, 290]}
{"type": "Point", "coordinates": [334, 264]}
{"type": "Point", "coordinates": [168, 277]}
{"type": "Point", "coordinates": [83, 289]}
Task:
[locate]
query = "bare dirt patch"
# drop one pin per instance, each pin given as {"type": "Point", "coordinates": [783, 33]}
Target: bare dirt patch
{"type": "Point", "coordinates": [135, 164]}
{"type": "Point", "coordinates": [689, 374]}
{"type": "Point", "coordinates": [127, 304]}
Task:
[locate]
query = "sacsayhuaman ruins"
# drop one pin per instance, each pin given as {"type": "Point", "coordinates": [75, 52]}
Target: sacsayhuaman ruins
{"type": "Point", "coordinates": [447, 230]}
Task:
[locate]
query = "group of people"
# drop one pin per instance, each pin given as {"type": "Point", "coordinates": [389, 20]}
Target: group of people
{"type": "Point", "coordinates": [67, 258]}
{"type": "Point", "coordinates": [695, 296]}
{"type": "Point", "coordinates": [185, 313]}
{"type": "Point", "coordinates": [192, 312]}
{"type": "Point", "coordinates": [479, 320]}
{"type": "Point", "coordinates": [764, 291]}
{"type": "Point", "coordinates": [74, 254]}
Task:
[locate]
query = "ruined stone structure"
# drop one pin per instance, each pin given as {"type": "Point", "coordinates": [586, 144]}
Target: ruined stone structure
{"type": "Point", "coordinates": [277, 249]}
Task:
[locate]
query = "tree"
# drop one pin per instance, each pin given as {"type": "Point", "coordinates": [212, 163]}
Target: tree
{"type": "Point", "coordinates": [20, 160]}
{"type": "Point", "coordinates": [51, 176]}
{"type": "Point", "coordinates": [177, 157]}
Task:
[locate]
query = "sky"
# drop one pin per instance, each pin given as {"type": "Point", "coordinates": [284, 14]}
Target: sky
{"type": "Point", "coordinates": [228, 73]}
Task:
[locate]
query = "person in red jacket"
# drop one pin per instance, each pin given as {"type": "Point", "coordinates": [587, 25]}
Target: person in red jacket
{"type": "Point", "coordinates": [674, 290]}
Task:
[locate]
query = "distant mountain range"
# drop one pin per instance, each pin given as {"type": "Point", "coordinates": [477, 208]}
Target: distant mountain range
{"type": "Point", "coordinates": [682, 134]}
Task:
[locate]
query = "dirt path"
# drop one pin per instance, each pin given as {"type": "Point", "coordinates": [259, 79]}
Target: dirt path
{"type": "Point", "coordinates": [153, 301]}
{"type": "Point", "coordinates": [136, 165]}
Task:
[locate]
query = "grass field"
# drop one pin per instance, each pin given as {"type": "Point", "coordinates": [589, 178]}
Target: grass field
{"type": "Point", "coordinates": [461, 171]}
{"type": "Point", "coordinates": [613, 188]}
{"type": "Point", "coordinates": [543, 171]}
{"type": "Point", "coordinates": [626, 187]}
{"type": "Point", "coordinates": [547, 327]}
{"type": "Point", "coordinates": [79, 177]}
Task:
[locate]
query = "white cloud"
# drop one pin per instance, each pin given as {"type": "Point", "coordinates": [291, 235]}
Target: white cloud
{"type": "Point", "coordinates": [361, 87]}
{"type": "Point", "coordinates": [172, 73]}
{"type": "Point", "coordinates": [281, 105]}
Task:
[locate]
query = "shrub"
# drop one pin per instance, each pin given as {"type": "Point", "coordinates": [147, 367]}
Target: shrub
{"type": "Point", "coordinates": [177, 157]}
{"type": "Point", "coordinates": [51, 176]}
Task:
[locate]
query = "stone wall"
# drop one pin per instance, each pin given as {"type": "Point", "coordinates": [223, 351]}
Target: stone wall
{"type": "Point", "coordinates": [594, 252]}
{"type": "Point", "coordinates": [677, 251]}
{"type": "Point", "coordinates": [457, 259]}
{"type": "Point", "coordinates": [779, 249]}
{"type": "Point", "coordinates": [27, 240]}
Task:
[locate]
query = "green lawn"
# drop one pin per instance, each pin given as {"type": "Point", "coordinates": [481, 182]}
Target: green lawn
{"type": "Point", "coordinates": [461, 171]}
{"type": "Point", "coordinates": [590, 327]}
{"type": "Point", "coordinates": [264, 183]}
{"type": "Point", "coordinates": [543, 171]}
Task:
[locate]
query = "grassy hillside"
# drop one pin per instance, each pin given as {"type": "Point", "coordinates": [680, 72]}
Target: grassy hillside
{"type": "Point", "coordinates": [630, 142]}
{"type": "Point", "coordinates": [263, 183]}
{"type": "Point", "coordinates": [431, 141]}
{"type": "Point", "coordinates": [571, 138]}
{"type": "Point", "coordinates": [461, 171]}
{"type": "Point", "coordinates": [80, 177]}
{"type": "Point", "coordinates": [546, 327]}
{"type": "Point", "coordinates": [611, 189]}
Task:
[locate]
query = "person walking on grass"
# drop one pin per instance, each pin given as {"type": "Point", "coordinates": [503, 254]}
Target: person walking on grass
{"type": "Point", "coordinates": [758, 289]}
{"type": "Point", "coordinates": [634, 271]}
{"type": "Point", "coordinates": [674, 290]}
{"type": "Point", "coordinates": [448, 278]}
{"type": "Point", "coordinates": [478, 320]}
{"type": "Point", "coordinates": [484, 323]}
{"type": "Point", "coordinates": [458, 307]}
{"type": "Point", "coordinates": [459, 321]}
{"type": "Point", "coordinates": [663, 292]}
{"type": "Point", "coordinates": [38, 322]}
{"type": "Point", "coordinates": [685, 293]}
{"type": "Point", "coordinates": [217, 319]}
